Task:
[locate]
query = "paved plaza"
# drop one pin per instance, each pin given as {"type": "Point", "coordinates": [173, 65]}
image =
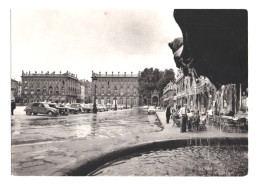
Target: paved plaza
{"type": "Point", "coordinates": [42, 145]}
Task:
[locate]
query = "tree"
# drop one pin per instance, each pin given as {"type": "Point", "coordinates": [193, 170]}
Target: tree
{"type": "Point", "coordinates": [148, 81]}
{"type": "Point", "coordinates": [167, 76]}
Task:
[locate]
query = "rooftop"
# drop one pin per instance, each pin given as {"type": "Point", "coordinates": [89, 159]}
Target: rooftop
{"type": "Point", "coordinates": [114, 74]}
{"type": "Point", "coordinates": [48, 74]}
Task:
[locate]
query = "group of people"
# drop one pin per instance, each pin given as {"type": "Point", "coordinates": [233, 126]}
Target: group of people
{"type": "Point", "coordinates": [188, 118]}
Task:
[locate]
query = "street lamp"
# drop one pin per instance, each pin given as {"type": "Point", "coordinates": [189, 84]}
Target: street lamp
{"type": "Point", "coordinates": [94, 78]}
{"type": "Point", "coordinates": [126, 102]}
{"type": "Point", "coordinates": [115, 98]}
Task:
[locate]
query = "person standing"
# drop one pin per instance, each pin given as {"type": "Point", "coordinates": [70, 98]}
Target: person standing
{"type": "Point", "coordinates": [13, 106]}
{"type": "Point", "coordinates": [183, 113]}
{"type": "Point", "coordinates": [168, 113]}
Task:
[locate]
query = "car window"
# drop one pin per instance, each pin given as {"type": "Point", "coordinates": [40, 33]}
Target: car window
{"type": "Point", "coordinates": [35, 104]}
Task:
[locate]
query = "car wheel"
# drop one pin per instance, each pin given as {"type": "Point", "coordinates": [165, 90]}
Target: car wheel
{"type": "Point", "coordinates": [50, 113]}
{"type": "Point", "coordinates": [28, 113]}
{"type": "Point", "coordinates": [35, 113]}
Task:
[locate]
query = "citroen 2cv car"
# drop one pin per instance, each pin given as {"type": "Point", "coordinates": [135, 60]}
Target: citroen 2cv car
{"type": "Point", "coordinates": [40, 108]}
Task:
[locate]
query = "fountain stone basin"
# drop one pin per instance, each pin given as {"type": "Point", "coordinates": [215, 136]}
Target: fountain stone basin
{"type": "Point", "coordinates": [87, 166]}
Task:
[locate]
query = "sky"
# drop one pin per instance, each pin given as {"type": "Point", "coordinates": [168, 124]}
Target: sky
{"type": "Point", "coordinates": [82, 40]}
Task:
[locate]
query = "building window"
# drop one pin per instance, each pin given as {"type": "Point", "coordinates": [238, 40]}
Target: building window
{"type": "Point", "coordinates": [50, 90]}
{"type": "Point", "coordinates": [57, 90]}
{"type": "Point", "coordinates": [63, 91]}
{"type": "Point", "coordinates": [25, 90]}
{"type": "Point", "coordinates": [38, 90]}
{"type": "Point", "coordinates": [44, 90]}
{"type": "Point", "coordinates": [32, 90]}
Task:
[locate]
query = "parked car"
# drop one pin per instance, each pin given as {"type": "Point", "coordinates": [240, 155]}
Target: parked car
{"type": "Point", "coordinates": [78, 107]}
{"type": "Point", "coordinates": [120, 107]}
{"type": "Point", "coordinates": [62, 109]}
{"type": "Point", "coordinates": [109, 106]}
{"type": "Point", "coordinates": [89, 107]}
{"type": "Point", "coordinates": [145, 107]}
{"type": "Point", "coordinates": [71, 109]}
{"type": "Point", "coordinates": [100, 108]}
{"type": "Point", "coordinates": [151, 110]}
{"type": "Point", "coordinates": [40, 108]}
{"type": "Point", "coordinates": [85, 108]}
{"type": "Point", "coordinates": [104, 107]}
{"type": "Point", "coordinates": [113, 107]}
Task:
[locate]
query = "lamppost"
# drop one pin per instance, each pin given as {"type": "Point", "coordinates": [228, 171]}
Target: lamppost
{"type": "Point", "coordinates": [126, 101]}
{"type": "Point", "coordinates": [94, 78]}
{"type": "Point", "coordinates": [115, 98]}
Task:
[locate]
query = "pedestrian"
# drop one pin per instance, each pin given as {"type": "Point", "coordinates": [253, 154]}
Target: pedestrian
{"type": "Point", "coordinates": [183, 113]}
{"type": "Point", "coordinates": [190, 115]}
{"type": "Point", "coordinates": [13, 106]}
{"type": "Point", "coordinates": [168, 113]}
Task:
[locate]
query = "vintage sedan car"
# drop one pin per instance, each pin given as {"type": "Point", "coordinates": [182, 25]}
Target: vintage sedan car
{"type": "Point", "coordinates": [78, 107]}
{"type": "Point", "coordinates": [62, 109]}
{"type": "Point", "coordinates": [145, 108]}
{"type": "Point", "coordinates": [40, 108]}
{"type": "Point", "coordinates": [86, 108]}
{"type": "Point", "coordinates": [151, 110]}
{"type": "Point", "coordinates": [70, 109]}
{"type": "Point", "coordinates": [89, 107]}
{"type": "Point", "coordinates": [120, 107]}
{"type": "Point", "coordinates": [101, 108]}
{"type": "Point", "coordinates": [105, 107]}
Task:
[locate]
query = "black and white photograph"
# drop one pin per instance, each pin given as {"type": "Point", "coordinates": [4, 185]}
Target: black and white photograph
{"type": "Point", "coordinates": [131, 97]}
{"type": "Point", "coordinates": [129, 92]}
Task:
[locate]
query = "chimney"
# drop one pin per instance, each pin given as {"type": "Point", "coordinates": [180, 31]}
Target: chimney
{"type": "Point", "coordinates": [131, 74]}
{"type": "Point", "coordinates": [106, 73]}
{"type": "Point", "coordinates": [125, 73]}
{"type": "Point", "coordinates": [112, 73]}
{"type": "Point", "coordinates": [99, 73]}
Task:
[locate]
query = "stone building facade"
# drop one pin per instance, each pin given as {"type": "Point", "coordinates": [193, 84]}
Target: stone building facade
{"type": "Point", "coordinates": [196, 93]}
{"type": "Point", "coordinates": [88, 94]}
{"type": "Point", "coordinates": [122, 88]}
{"type": "Point", "coordinates": [202, 95]}
{"type": "Point", "coordinates": [14, 89]}
{"type": "Point", "coordinates": [59, 88]}
{"type": "Point", "coordinates": [169, 94]}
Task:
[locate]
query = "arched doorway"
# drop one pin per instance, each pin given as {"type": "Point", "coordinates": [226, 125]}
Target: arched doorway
{"type": "Point", "coordinates": [155, 100]}
{"type": "Point", "coordinates": [155, 97]}
{"type": "Point", "coordinates": [145, 101]}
